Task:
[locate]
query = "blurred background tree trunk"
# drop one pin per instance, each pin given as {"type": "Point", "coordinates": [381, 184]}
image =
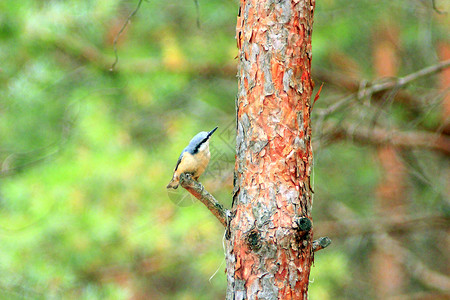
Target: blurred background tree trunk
{"type": "Point", "coordinates": [391, 191]}
{"type": "Point", "coordinates": [268, 257]}
{"type": "Point", "coordinates": [444, 54]}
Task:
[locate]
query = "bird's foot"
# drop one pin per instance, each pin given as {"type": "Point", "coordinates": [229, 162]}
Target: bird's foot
{"type": "Point", "coordinates": [191, 175]}
{"type": "Point", "coordinates": [188, 175]}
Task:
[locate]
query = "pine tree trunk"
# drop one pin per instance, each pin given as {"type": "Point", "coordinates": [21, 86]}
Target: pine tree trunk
{"type": "Point", "coordinates": [269, 252]}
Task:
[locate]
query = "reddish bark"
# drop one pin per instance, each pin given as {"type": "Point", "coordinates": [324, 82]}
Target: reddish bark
{"type": "Point", "coordinates": [267, 256]}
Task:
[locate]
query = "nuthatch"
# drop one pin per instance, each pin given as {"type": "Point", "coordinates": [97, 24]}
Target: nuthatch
{"type": "Point", "coordinates": [194, 158]}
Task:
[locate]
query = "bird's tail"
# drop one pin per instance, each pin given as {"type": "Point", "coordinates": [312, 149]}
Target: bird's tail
{"type": "Point", "coordinates": [173, 184]}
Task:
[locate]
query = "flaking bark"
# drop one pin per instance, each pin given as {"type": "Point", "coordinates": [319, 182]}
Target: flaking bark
{"type": "Point", "coordinates": [268, 257]}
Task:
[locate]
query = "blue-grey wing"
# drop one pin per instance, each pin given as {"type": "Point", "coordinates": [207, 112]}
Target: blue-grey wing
{"type": "Point", "coordinates": [179, 159]}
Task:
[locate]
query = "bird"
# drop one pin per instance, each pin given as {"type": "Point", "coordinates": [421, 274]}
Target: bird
{"type": "Point", "coordinates": [193, 159]}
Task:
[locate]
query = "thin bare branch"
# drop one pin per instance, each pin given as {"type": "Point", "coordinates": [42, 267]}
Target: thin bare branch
{"type": "Point", "coordinates": [125, 24]}
{"type": "Point", "coordinates": [366, 89]}
{"type": "Point", "coordinates": [402, 81]}
{"type": "Point", "coordinates": [389, 224]}
{"type": "Point", "coordinates": [381, 136]}
{"type": "Point", "coordinates": [346, 83]}
{"type": "Point", "coordinates": [197, 10]}
{"type": "Point", "coordinates": [436, 9]}
{"type": "Point", "coordinates": [416, 267]}
{"type": "Point", "coordinates": [199, 192]}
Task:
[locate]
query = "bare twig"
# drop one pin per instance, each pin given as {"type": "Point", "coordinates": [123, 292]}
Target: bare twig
{"type": "Point", "coordinates": [125, 24]}
{"type": "Point", "coordinates": [197, 9]}
{"type": "Point", "coordinates": [390, 224]}
{"type": "Point", "coordinates": [417, 268]}
{"type": "Point", "coordinates": [402, 81]}
{"type": "Point", "coordinates": [199, 192]}
{"type": "Point", "coordinates": [389, 245]}
{"type": "Point", "coordinates": [436, 9]}
{"type": "Point", "coordinates": [381, 136]}
{"type": "Point", "coordinates": [346, 83]}
{"type": "Point", "coordinates": [369, 90]}
{"type": "Point", "coordinates": [321, 243]}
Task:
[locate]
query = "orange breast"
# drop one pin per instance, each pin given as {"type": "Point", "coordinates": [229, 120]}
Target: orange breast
{"type": "Point", "coordinates": [194, 164]}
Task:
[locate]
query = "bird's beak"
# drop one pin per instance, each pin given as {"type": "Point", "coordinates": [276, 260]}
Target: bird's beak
{"type": "Point", "coordinates": [212, 131]}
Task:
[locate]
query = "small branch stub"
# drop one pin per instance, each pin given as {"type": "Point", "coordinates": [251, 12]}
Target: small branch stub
{"type": "Point", "coordinates": [321, 243]}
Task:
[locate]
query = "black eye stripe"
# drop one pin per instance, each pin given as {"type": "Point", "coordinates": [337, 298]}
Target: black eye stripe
{"type": "Point", "coordinates": [199, 145]}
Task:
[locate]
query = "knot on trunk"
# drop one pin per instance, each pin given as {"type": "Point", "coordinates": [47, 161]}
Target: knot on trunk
{"type": "Point", "coordinates": [303, 224]}
{"type": "Point", "coordinates": [254, 240]}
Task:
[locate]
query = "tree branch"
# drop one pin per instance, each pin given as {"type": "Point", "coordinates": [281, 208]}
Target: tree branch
{"type": "Point", "coordinates": [390, 224]}
{"type": "Point", "coordinates": [127, 21]}
{"type": "Point", "coordinates": [199, 192]}
{"type": "Point", "coordinates": [367, 89]}
{"type": "Point", "coordinates": [436, 9]}
{"type": "Point", "coordinates": [381, 136]}
{"type": "Point", "coordinates": [346, 83]}
{"type": "Point", "coordinates": [402, 81]}
{"type": "Point", "coordinates": [416, 267]}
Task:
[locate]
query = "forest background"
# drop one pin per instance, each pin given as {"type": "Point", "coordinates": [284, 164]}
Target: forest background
{"type": "Point", "coordinates": [86, 152]}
